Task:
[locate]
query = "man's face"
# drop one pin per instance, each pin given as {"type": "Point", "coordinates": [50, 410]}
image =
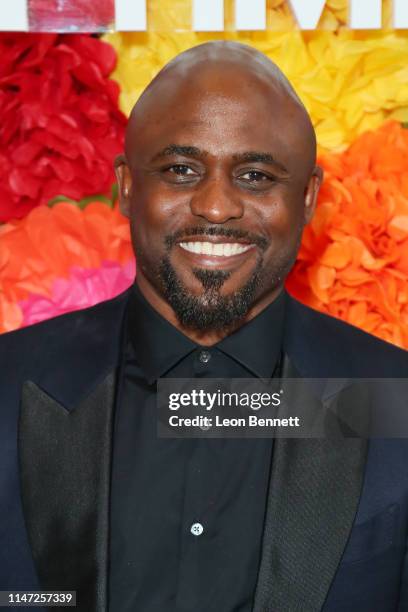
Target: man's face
{"type": "Point", "coordinates": [217, 187]}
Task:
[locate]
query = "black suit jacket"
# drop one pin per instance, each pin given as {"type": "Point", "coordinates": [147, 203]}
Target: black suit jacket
{"type": "Point", "coordinates": [336, 521]}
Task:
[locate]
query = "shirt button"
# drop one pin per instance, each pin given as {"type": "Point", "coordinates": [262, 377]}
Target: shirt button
{"type": "Point", "coordinates": [205, 356]}
{"type": "Point", "coordinates": [197, 529]}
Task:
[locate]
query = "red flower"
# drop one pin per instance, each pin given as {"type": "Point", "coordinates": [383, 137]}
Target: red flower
{"type": "Point", "coordinates": [60, 122]}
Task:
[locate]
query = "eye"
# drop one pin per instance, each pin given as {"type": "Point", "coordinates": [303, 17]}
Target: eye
{"type": "Point", "coordinates": [181, 170]}
{"type": "Point", "coordinates": [255, 176]}
{"type": "Point", "coordinates": [255, 180]}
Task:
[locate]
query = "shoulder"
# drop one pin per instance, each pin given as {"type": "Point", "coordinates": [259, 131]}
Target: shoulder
{"type": "Point", "coordinates": [61, 331]}
{"type": "Point", "coordinates": [343, 347]}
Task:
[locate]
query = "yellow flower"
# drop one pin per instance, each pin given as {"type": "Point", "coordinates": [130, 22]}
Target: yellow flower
{"type": "Point", "coordinates": [349, 81]}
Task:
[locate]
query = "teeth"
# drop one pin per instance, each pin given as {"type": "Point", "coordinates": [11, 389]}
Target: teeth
{"type": "Point", "coordinates": [223, 249]}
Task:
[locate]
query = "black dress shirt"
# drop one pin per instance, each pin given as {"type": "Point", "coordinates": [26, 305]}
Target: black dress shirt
{"type": "Point", "coordinates": [186, 514]}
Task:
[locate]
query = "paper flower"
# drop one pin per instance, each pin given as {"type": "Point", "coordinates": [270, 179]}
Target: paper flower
{"type": "Point", "coordinates": [49, 241]}
{"type": "Point", "coordinates": [11, 315]}
{"type": "Point", "coordinates": [350, 81]}
{"type": "Point", "coordinates": [60, 124]}
{"type": "Point", "coordinates": [353, 263]}
{"type": "Point", "coordinates": [83, 288]}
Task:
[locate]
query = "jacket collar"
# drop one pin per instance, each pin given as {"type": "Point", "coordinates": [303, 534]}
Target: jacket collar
{"type": "Point", "coordinates": [82, 347]}
{"type": "Point", "coordinates": [78, 350]}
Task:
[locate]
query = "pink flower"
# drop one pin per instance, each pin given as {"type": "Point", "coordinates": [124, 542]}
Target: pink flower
{"type": "Point", "coordinates": [84, 288]}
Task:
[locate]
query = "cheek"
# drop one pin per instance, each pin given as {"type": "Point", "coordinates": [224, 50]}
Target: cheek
{"type": "Point", "coordinates": [156, 214]}
{"type": "Point", "coordinates": [149, 210]}
{"type": "Point", "coordinates": [283, 219]}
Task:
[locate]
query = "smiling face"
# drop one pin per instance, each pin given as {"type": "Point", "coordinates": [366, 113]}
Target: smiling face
{"type": "Point", "coordinates": [218, 182]}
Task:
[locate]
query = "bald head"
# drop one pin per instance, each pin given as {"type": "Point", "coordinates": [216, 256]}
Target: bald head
{"type": "Point", "coordinates": [221, 52]}
{"type": "Point", "coordinates": [213, 65]}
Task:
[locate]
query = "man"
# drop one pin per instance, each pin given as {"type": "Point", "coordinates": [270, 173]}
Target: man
{"type": "Point", "coordinates": [218, 179]}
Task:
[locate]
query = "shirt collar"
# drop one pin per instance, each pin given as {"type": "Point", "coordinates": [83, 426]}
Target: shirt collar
{"type": "Point", "coordinates": [159, 345]}
{"type": "Point", "coordinates": [258, 344]}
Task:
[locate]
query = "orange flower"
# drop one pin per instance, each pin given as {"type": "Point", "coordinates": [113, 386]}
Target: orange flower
{"type": "Point", "coordinates": [49, 241]}
{"type": "Point", "coordinates": [11, 315]}
{"type": "Point", "coordinates": [353, 263]}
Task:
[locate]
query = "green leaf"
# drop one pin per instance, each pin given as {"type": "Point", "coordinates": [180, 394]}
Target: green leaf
{"type": "Point", "coordinates": [61, 198]}
{"type": "Point", "coordinates": [96, 198]}
{"type": "Point", "coordinates": [84, 202]}
{"type": "Point", "coordinates": [114, 192]}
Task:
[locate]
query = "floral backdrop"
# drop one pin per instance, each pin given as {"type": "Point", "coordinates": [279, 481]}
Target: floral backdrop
{"type": "Point", "coordinates": [64, 99]}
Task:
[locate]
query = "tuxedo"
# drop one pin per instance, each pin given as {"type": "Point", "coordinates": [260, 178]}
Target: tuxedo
{"type": "Point", "coordinates": [335, 529]}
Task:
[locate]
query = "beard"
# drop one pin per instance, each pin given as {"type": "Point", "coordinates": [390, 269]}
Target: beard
{"type": "Point", "coordinates": [210, 310]}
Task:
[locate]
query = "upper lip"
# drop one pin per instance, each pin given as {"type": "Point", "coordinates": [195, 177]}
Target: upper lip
{"type": "Point", "coordinates": [215, 239]}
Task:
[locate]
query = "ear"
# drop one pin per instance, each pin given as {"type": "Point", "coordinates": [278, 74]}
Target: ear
{"type": "Point", "coordinates": [124, 178]}
{"type": "Point", "coordinates": [312, 191]}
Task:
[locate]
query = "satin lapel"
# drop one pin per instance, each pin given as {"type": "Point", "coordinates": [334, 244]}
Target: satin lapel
{"type": "Point", "coordinates": [65, 473]}
{"type": "Point", "coordinates": [313, 497]}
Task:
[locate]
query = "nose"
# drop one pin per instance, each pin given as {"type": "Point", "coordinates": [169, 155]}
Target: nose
{"type": "Point", "coordinates": [216, 202]}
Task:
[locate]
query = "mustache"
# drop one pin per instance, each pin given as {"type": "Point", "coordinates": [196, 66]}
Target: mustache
{"type": "Point", "coordinates": [260, 241]}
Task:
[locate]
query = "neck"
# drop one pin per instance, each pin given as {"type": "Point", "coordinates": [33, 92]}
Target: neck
{"type": "Point", "coordinates": [202, 337]}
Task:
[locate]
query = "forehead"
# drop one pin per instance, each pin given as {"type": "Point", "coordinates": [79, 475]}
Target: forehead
{"type": "Point", "coordinates": [221, 112]}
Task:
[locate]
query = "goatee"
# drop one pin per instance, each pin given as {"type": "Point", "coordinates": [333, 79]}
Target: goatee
{"type": "Point", "coordinates": [210, 310]}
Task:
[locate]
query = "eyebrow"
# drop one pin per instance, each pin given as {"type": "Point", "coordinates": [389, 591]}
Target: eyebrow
{"type": "Point", "coordinates": [261, 157]}
{"type": "Point", "coordinates": [175, 149]}
{"type": "Point", "coordinates": [248, 156]}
